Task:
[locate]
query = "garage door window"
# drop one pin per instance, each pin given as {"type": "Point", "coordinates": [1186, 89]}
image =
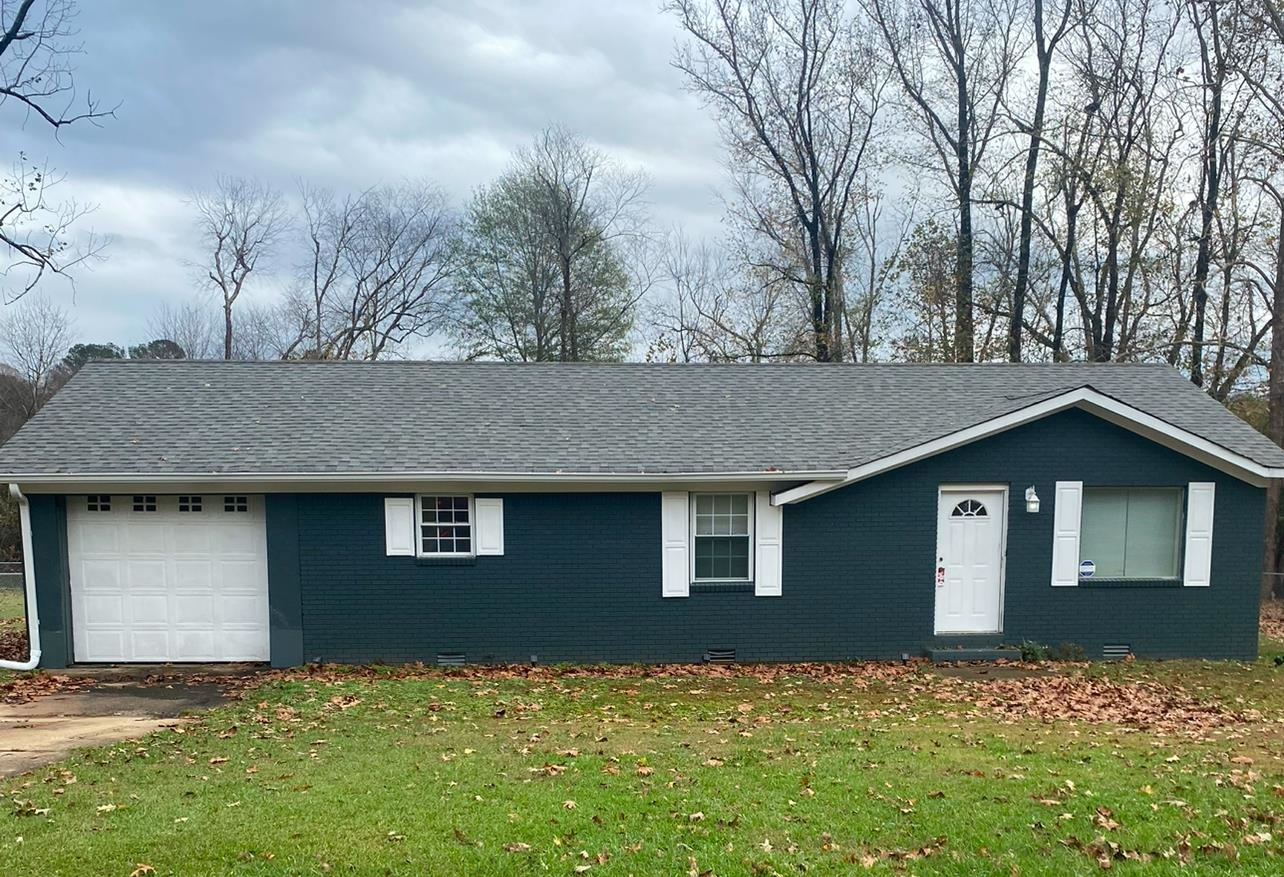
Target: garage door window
{"type": "Point", "coordinates": [236, 504]}
{"type": "Point", "coordinates": [97, 503]}
{"type": "Point", "coordinates": [144, 503]}
{"type": "Point", "coordinates": [189, 503]}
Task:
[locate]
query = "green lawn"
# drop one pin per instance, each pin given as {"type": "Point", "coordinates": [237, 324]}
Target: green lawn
{"type": "Point", "coordinates": [744, 771]}
{"type": "Point", "coordinates": [12, 611]}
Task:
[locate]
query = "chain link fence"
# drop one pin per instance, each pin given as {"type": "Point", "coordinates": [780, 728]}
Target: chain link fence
{"type": "Point", "coordinates": [11, 576]}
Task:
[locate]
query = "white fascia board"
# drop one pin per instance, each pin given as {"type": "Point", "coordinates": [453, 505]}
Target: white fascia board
{"type": "Point", "coordinates": [480, 482]}
{"type": "Point", "coordinates": [1085, 398]}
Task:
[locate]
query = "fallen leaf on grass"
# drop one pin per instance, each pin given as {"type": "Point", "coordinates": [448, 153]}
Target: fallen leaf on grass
{"type": "Point", "coordinates": [517, 847]}
{"type": "Point", "coordinates": [142, 869]}
{"type": "Point", "coordinates": [1104, 818]}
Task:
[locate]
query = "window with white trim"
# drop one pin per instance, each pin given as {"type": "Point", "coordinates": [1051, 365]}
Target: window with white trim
{"type": "Point", "coordinates": [445, 525]}
{"type": "Point", "coordinates": [190, 503]}
{"type": "Point", "coordinates": [1132, 532]}
{"type": "Point", "coordinates": [721, 537]}
{"type": "Point", "coordinates": [98, 502]}
{"type": "Point", "coordinates": [144, 503]}
{"type": "Point", "coordinates": [236, 504]}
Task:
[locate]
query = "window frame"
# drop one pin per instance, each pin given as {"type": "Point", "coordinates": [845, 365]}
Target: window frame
{"type": "Point", "coordinates": [1179, 534]}
{"type": "Point", "coordinates": [419, 526]}
{"type": "Point", "coordinates": [750, 497]}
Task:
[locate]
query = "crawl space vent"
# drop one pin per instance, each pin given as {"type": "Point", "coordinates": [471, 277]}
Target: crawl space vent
{"type": "Point", "coordinates": [720, 656]}
{"type": "Point", "coordinates": [450, 659]}
{"type": "Point", "coordinates": [1115, 651]}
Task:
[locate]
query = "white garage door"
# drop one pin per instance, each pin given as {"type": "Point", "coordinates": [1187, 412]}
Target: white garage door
{"type": "Point", "coordinates": [168, 578]}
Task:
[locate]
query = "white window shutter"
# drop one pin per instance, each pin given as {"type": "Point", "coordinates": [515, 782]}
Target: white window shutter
{"type": "Point", "coordinates": [399, 525]}
{"type": "Point", "coordinates": [490, 525]}
{"type": "Point", "coordinates": [1067, 511]}
{"type": "Point", "coordinates": [768, 532]}
{"type": "Point", "coordinates": [1199, 534]}
{"type": "Point", "coordinates": [675, 533]}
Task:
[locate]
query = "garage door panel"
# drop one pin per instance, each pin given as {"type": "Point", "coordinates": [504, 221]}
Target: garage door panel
{"type": "Point", "coordinates": [149, 645]}
{"type": "Point", "coordinates": [240, 610]}
{"type": "Point", "coordinates": [193, 575]}
{"type": "Point", "coordinates": [241, 575]}
{"type": "Point", "coordinates": [99, 575]}
{"type": "Point", "coordinates": [192, 538]}
{"type": "Point", "coordinates": [242, 538]}
{"type": "Point", "coordinates": [148, 610]}
{"type": "Point", "coordinates": [194, 645]}
{"type": "Point", "coordinates": [105, 608]}
{"type": "Point", "coordinates": [110, 644]}
{"type": "Point", "coordinates": [146, 575]}
{"type": "Point", "coordinates": [168, 585]}
{"type": "Point", "coordinates": [100, 537]}
{"type": "Point", "coordinates": [145, 538]}
{"type": "Point", "coordinates": [195, 609]}
{"type": "Point", "coordinates": [238, 646]}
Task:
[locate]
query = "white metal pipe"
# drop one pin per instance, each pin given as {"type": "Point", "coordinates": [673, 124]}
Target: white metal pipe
{"type": "Point", "coordinates": [29, 579]}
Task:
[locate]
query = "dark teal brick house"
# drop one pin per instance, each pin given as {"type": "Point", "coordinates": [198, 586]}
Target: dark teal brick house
{"type": "Point", "coordinates": [456, 512]}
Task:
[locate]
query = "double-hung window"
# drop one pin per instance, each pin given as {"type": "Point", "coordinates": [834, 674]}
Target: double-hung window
{"type": "Point", "coordinates": [1132, 532]}
{"type": "Point", "coordinates": [722, 537]}
{"type": "Point", "coordinates": [445, 525]}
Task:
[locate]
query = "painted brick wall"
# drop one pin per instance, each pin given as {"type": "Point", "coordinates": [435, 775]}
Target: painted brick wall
{"type": "Point", "coordinates": [580, 578]}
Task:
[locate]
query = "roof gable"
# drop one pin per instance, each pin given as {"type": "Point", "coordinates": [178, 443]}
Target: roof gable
{"type": "Point", "coordinates": [1084, 398]}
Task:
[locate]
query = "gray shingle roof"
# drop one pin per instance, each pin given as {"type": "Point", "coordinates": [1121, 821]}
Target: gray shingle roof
{"type": "Point", "coordinates": [273, 418]}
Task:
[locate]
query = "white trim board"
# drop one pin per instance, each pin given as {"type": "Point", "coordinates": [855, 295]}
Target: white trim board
{"type": "Point", "coordinates": [421, 482]}
{"type": "Point", "coordinates": [1084, 398]}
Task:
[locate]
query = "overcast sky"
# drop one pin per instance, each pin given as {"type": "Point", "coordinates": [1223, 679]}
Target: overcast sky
{"type": "Point", "coordinates": [348, 95]}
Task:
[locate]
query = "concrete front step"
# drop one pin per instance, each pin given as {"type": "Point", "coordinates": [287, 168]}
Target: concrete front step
{"type": "Point", "coordinates": [988, 654]}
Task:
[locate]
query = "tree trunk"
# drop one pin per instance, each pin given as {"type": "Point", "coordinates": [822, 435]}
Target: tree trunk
{"type": "Point", "coordinates": [227, 330]}
{"type": "Point", "coordinates": [565, 345]}
{"type": "Point", "coordinates": [1275, 418]}
{"type": "Point", "coordinates": [1027, 194]}
{"type": "Point", "coordinates": [964, 328]}
{"type": "Point", "coordinates": [1213, 73]}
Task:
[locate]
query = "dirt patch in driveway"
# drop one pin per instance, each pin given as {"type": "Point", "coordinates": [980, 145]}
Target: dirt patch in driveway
{"type": "Point", "coordinates": [46, 729]}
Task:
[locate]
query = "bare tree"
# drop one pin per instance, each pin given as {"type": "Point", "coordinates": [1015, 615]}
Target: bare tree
{"type": "Point", "coordinates": [717, 311]}
{"type": "Point", "coordinates": [37, 45]}
{"type": "Point", "coordinates": [954, 60]}
{"type": "Point", "coordinates": [34, 337]}
{"type": "Point", "coordinates": [378, 272]}
{"type": "Point", "coordinates": [188, 325]}
{"type": "Point", "coordinates": [797, 91]}
{"type": "Point", "coordinates": [241, 222]}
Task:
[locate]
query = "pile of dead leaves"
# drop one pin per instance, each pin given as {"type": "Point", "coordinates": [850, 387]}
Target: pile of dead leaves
{"type": "Point", "coordinates": [13, 645]}
{"type": "Point", "coordinates": [1272, 619]}
{"type": "Point", "coordinates": [29, 686]}
{"type": "Point", "coordinates": [1143, 705]}
{"type": "Point", "coordinates": [855, 674]}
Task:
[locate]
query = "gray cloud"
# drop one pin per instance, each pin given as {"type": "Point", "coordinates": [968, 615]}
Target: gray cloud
{"type": "Point", "coordinates": [348, 95]}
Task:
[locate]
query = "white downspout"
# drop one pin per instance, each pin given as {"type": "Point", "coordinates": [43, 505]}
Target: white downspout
{"type": "Point", "coordinates": [29, 578]}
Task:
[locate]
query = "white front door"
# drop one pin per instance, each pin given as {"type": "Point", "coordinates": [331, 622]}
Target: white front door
{"type": "Point", "coordinates": [168, 578]}
{"type": "Point", "coordinates": [970, 534]}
